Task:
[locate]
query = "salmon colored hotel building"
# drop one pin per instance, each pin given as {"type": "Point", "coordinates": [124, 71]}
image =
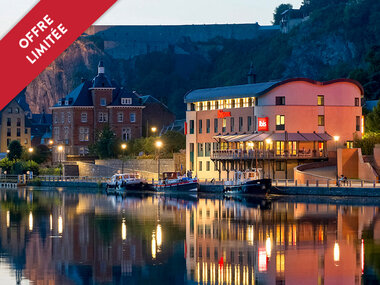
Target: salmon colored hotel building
{"type": "Point", "coordinates": [272, 125]}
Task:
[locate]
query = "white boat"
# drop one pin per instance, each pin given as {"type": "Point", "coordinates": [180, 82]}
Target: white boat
{"type": "Point", "coordinates": [173, 181]}
{"type": "Point", "coordinates": [248, 182]}
{"type": "Point", "coordinates": [120, 183]}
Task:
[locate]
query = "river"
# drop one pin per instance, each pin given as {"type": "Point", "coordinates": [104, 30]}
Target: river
{"type": "Point", "coordinates": [69, 237]}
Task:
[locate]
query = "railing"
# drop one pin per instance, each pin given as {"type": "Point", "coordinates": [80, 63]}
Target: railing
{"type": "Point", "coordinates": [50, 178]}
{"type": "Point", "coordinates": [263, 154]}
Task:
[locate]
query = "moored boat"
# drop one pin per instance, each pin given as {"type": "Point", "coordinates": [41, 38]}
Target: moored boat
{"type": "Point", "coordinates": [173, 181]}
{"type": "Point", "coordinates": [248, 182]}
{"type": "Point", "coordinates": [120, 183]}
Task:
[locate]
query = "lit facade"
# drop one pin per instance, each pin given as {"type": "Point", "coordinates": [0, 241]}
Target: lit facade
{"type": "Point", "coordinates": [274, 125]}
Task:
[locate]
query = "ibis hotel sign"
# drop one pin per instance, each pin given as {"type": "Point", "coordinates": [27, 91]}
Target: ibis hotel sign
{"type": "Point", "coordinates": [263, 124]}
{"type": "Point", "coordinates": [222, 114]}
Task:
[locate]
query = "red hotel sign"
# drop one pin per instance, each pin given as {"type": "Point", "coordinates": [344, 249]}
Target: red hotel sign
{"type": "Point", "coordinates": [222, 114]}
{"type": "Point", "coordinates": [263, 124]}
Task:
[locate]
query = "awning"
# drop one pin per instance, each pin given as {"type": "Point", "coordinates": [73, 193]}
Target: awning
{"type": "Point", "coordinates": [325, 136]}
{"type": "Point", "coordinates": [299, 137]}
{"type": "Point", "coordinates": [296, 137]}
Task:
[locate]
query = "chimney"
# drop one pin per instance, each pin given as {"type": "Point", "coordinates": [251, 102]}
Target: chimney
{"type": "Point", "coordinates": [251, 75]}
{"type": "Point", "coordinates": [101, 67]}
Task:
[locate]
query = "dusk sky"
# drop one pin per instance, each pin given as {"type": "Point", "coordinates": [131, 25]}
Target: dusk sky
{"type": "Point", "coordinates": [165, 12]}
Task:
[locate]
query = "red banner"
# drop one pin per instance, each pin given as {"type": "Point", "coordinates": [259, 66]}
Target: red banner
{"type": "Point", "coordinates": [40, 37]}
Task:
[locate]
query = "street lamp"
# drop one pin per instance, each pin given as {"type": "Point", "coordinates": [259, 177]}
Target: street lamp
{"type": "Point", "coordinates": [153, 129]}
{"type": "Point", "coordinates": [123, 147]}
{"type": "Point", "coordinates": [51, 142]}
{"type": "Point", "coordinates": [60, 150]}
{"type": "Point", "coordinates": [30, 150]}
{"type": "Point", "coordinates": [336, 139]}
{"type": "Point", "coordinates": [268, 142]}
{"type": "Point", "coordinates": [158, 146]}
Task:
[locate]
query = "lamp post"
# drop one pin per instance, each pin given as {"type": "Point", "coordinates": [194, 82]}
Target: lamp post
{"type": "Point", "coordinates": [123, 147]}
{"type": "Point", "coordinates": [158, 146]}
{"type": "Point", "coordinates": [268, 141]}
{"type": "Point", "coordinates": [336, 139]}
{"type": "Point", "coordinates": [154, 130]}
{"type": "Point", "coordinates": [60, 150]}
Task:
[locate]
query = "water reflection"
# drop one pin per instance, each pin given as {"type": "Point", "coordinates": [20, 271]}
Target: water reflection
{"type": "Point", "coordinates": [65, 238]}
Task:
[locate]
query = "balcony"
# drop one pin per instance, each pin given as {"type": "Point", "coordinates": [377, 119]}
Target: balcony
{"type": "Point", "coordinates": [239, 154]}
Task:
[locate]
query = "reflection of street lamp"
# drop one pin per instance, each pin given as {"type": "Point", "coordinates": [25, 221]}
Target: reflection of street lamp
{"type": "Point", "coordinates": [268, 142]}
{"type": "Point", "coordinates": [158, 145]}
{"type": "Point", "coordinates": [123, 147]}
{"type": "Point", "coordinates": [123, 230]}
{"type": "Point", "coordinates": [336, 252]}
{"type": "Point", "coordinates": [60, 150]}
{"type": "Point", "coordinates": [336, 139]}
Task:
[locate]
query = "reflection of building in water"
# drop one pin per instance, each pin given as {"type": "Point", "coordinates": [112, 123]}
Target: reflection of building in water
{"type": "Point", "coordinates": [84, 240]}
{"type": "Point", "coordinates": [318, 244]}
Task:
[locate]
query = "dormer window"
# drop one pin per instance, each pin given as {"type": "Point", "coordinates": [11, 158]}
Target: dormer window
{"type": "Point", "coordinates": [66, 102]}
{"type": "Point", "coordinates": [103, 101]}
{"type": "Point", "coordinates": [59, 103]}
{"type": "Point", "coordinates": [10, 110]}
{"type": "Point", "coordinates": [126, 101]}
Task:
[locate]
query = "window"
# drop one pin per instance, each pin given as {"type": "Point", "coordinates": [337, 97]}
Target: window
{"type": "Point", "coordinates": [56, 119]}
{"type": "Point", "coordinates": [56, 134]}
{"type": "Point", "coordinates": [26, 141]}
{"type": "Point", "coordinates": [249, 123]}
{"type": "Point", "coordinates": [215, 125]}
{"type": "Point", "coordinates": [280, 122]}
{"type": "Point", "coordinates": [357, 102]}
{"type": "Point", "coordinates": [240, 124]}
{"type": "Point", "coordinates": [103, 117]}
{"type": "Point", "coordinates": [208, 105]}
{"type": "Point", "coordinates": [350, 144]}
{"type": "Point", "coordinates": [358, 123]}
{"type": "Point", "coordinates": [120, 117]}
{"type": "Point", "coordinates": [69, 118]}
{"type": "Point", "coordinates": [9, 132]}
{"type": "Point", "coordinates": [192, 155]}
{"type": "Point", "coordinates": [83, 117]}
{"type": "Point", "coordinates": [207, 149]}
{"type": "Point", "coordinates": [126, 101]}
{"type": "Point", "coordinates": [232, 124]}
{"type": "Point", "coordinates": [10, 110]}
{"type": "Point", "coordinates": [26, 131]}
{"type": "Point", "coordinates": [200, 149]}
{"type": "Point", "coordinates": [103, 101]}
{"type": "Point", "coordinates": [233, 103]}
{"type": "Point", "coordinates": [321, 100]}
{"type": "Point", "coordinates": [216, 105]}
{"type": "Point", "coordinates": [62, 117]}
{"type": "Point", "coordinates": [9, 122]}
{"type": "Point", "coordinates": [18, 122]}
{"type": "Point", "coordinates": [18, 132]}
{"type": "Point", "coordinates": [224, 125]}
{"type": "Point", "coordinates": [132, 117]}
{"type": "Point", "coordinates": [200, 126]}
{"type": "Point", "coordinates": [280, 147]}
{"type": "Point", "coordinates": [8, 142]}
{"type": "Point", "coordinates": [17, 110]}
{"type": "Point", "coordinates": [250, 102]}
{"type": "Point", "coordinates": [200, 169]}
{"type": "Point", "coordinates": [84, 134]}
{"type": "Point", "coordinates": [66, 133]}
{"type": "Point", "coordinates": [192, 107]}
{"type": "Point", "coordinates": [191, 127]}
{"type": "Point", "coordinates": [126, 134]}
{"type": "Point", "coordinates": [207, 165]}
{"type": "Point", "coordinates": [280, 100]}
{"type": "Point", "coordinates": [208, 123]}
{"type": "Point", "coordinates": [241, 103]}
{"type": "Point", "coordinates": [321, 120]}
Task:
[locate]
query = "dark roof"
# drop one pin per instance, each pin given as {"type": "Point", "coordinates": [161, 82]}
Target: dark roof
{"type": "Point", "coordinates": [120, 93]}
{"type": "Point", "coordinates": [80, 96]}
{"type": "Point", "coordinates": [42, 119]}
{"type": "Point", "coordinates": [148, 99]}
{"type": "Point", "coordinates": [21, 100]}
{"type": "Point", "coordinates": [101, 81]}
{"type": "Point", "coordinates": [252, 90]}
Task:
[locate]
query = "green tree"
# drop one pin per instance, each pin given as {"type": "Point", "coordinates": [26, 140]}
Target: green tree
{"type": "Point", "coordinates": [15, 150]}
{"type": "Point", "coordinates": [41, 154]}
{"type": "Point", "coordinates": [277, 16]}
{"type": "Point", "coordinates": [173, 141]}
{"type": "Point", "coordinates": [6, 164]}
{"type": "Point", "coordinates": [372, 122]}
{"type": "Point", "coordinates": [106, 144]}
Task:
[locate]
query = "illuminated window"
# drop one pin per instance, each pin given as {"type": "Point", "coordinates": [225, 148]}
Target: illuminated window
{"type": "Point", "coordinates": [321, 100]}
{"type": "Point", "coordinates": [321, 120]}
{"type": "Point", "coordinates": [280, 147]}
{"type": "Point", "coordinates": [350, 144]}
{"type": "Point", "coordinates": [280, 122]}
{"type": "Point", "coordinates": [224, 125]}
{"type": "Point", "coordinates": [84, 134]}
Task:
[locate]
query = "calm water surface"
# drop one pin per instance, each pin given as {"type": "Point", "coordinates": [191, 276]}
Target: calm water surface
{"type": "Point", "coordinates": [63, 237]}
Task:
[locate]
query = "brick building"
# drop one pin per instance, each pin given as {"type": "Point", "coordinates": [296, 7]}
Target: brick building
{"type": "Point", "coordinates": [89, 108]}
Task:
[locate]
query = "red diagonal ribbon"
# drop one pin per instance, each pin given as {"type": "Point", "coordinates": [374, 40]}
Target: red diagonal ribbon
{"type": "Point", "coordinates": [69, 18]}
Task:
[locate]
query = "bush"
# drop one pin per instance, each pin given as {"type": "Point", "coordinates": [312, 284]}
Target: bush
{"type": "Point", "coordinates": [368, 142]}
{"type": "Point", "coordinates": [6, 165]}
{"type": "Point", "coordinates": [50, 171]}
